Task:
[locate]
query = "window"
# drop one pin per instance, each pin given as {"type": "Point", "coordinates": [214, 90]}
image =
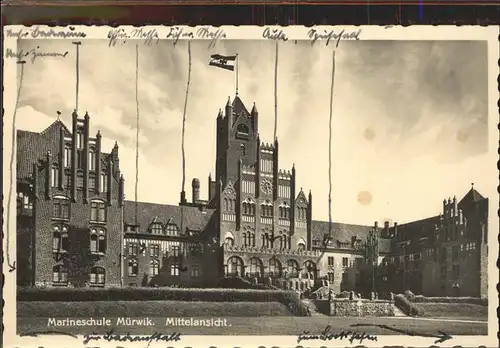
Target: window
{"type": "Point", "coordinates": [67, 156]}
{"type": "Point", "coordinates": [249, 238]}
{"type": "Point", "coordinates": [59, 274]}
{"type": "Point", "coordinates": [301, 213]}
{"type": "Point", "coordinates": [67, 180]}
{"type": "Point", "coordinates": [27, 202]}
{"type": "Point", "coordinates": [243, 150]}
{"type": "Point", "coordinates": [79, 180]}
{"type": "Point", "coordinates": [172, 230]}
{"type": "Point", "coordinates": [104, 182]}
{"type": "Point", "coordinates": [229, 241]}
{"type": "Point", "coordinates": [266, 209]}
{"type": "Point", "coordinates": [97, 276]}
{"type": "Point", "coordinates": [331, 261]}
{"type": "Point", "coordinates": [79, 159]}
{"type": "Point", "coordinates": [301, 247]}
{"type": "Point", "coordinates": [60, 239]}
{"type": "Point", "coordinates": [195, 271]}
{"type": "Point", "coordinates": [154, 250]}
{"type": "Point", "coordinates": [331, 277]}
{"type": "Point", "coordinates": [133, 249]}
{"type": "Point", "coordinates": [345, 262]}
{"type": "Point", "coordinates": [292, 268]}
{"type": "Point", "coordinates": [60, 208]}
{"type": "Point", "coordinates": [79, 140]}
{"type": "Point", "coordinates": [133, 267]}
{"type": "Point", "coordinates": [92, 181]}
{"type": "Point", "coordinates": [256, 267]}
{"type": "Point", "coordinates": [154, 267]}
{"type": "Point", "coordinates": [91, 159]}
{"type": "Point", "coordinates": [97, 211]}
{"type": "Point", "coordinates": [284, 211]}
{"type": "Point", "coordinates": [156, 228]}
{"type": "Point", "coordinates": [248, 207]}
{"type": "Point", "coordinates": [54, 177]}
{"type": "Point", "coordinates": [97, 241]}
{"type": "Point", "coordinates": [175, 250]}
{"type": "Point", "coordinates": [174, 269]}
{"type": "Point", "coordinates": [274, 267]}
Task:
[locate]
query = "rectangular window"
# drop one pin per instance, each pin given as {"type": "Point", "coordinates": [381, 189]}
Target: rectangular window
{"type": "Point", "coordinates": [345, 262]}
{"type": "Point", "coordinates": [60, 208]}
{"type": "Point", "coordinates": [91, 182]}
{"type": "Point", "coordinates": [104, 182]}
{"type": "Point", "coordinates": [79, 159]}
{"type": "Point", "coordinates": [67, 180]}
{"type": "Point", "coordinates": [98, 212]}
{"type": "Point", "coordinates": [154, 267]}
{"type": "Point", "coordinates": [154, 250]}
{"type": "Point", "coordinates": [156, 228]}
{"type": "Point", "coordinates": [97, 276]}
{"type": "Point", "coordinates": [331, 261]}
{"type": "Point", "coordinates": [132, 267]}
{"type": "Point", "coordinates": [54, 178]}
{"type": "Point", "coordinates": [79, 180]}
{"type": "Point", "coordinates": [331, 277]}
{"type": "Point", "coordinates": [67, 156]}
{"type": "Point", "coordinates": [195, 271]}
{"type": "Point", "coordinates": [60, 275]}
{"type": "Point", "coordinates": [133, 249]}
{"type": "Point", "coordinates": [91, 160]}
{"type": "Point", "coordinates": [175, 250]}
{"type": "Point", "coordinates": [79, 140]}
{"type": "Point", "coordinates": [174, 269]}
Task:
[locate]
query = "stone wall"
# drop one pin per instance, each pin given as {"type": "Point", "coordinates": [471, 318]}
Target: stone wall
{"type": "Point", "coordinates": [361, 308]}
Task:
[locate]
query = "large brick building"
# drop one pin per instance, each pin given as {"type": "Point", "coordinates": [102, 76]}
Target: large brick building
{"type": "Point", "coordinates": [75, 229]}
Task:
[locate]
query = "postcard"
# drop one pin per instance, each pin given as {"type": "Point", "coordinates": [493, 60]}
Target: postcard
{"type": "Point", "coordinates": [250, 186]}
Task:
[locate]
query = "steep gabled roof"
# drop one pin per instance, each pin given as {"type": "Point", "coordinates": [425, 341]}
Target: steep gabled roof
{"type": "Point", "coordinates": [239, 107]}
{"type": "Point", "coordinates": [191, 217]}
{"type": "Point", "coordinates": [471, 197]}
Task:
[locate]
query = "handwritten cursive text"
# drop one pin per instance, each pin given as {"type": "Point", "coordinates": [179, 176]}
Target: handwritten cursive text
{"type": "Point", "coordinates": [315, 35]}
{"type": "Point", "coordinates": [32, 54]}
{"type": "Point", "coordinates": [274, 34]}
{"type": "Point", "coordinates": [113, 337]}
{"type": "Point", "coordinates": [326, 335]}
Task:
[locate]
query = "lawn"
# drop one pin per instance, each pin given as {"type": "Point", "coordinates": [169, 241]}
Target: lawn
{"type": "Point", "coordinates": [150, 308]}
{"type": "Point", "coordinates": [452, 310]}
{"type": "Point", "coordinates": [280, 326]}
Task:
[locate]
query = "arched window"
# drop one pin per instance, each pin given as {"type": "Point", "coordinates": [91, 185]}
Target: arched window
{"type": "Point", "coordinates": [242, 128]}
{"type": "Point", "coordinates": [301, 246]}
{"type": "Point", "coordinates": [266, 209]}
{"type": "Point", "coordinates": [60, 206]}
{"type": "Point", "coordinates": [104, 182]}
{"type": "Point", "coordinates": [235, 266]}
{"type": "Point", "coordinates": [244, 208]}
{"type": "Point", "coordinates": [91, 159]}
{"type": "Point", "coordinates": [275, 267]}
{"type": "Point", "coordinates": [229, 241]}
{"type": "Point", "coordinates": [154, 267]}
{"type": "Point", "coordinates": [97, 276]}
{"type": "Point", "coordinates": [60, 238]}
{"type": "Point", "coordinates": [67, 156]}
{"type": "Point", "coordinates": [226, 206]}
{"type": "Point", "coordinates": [54, 177]}
{"type": "Point", "coordinates": [292, 268]}
{"type": "Point", "coordinates": [97, 211]}
{"type": "Point", "coordinates": [97, 240]}
{"type": "Point", "coordinates": [256, 267]}
{"type": "Point", "coordinates": [309, 270]}
{"type": "Point", "coordinates": [243, 150]}
{"type": "Point", "coordinates": [59, 275]}
{"type": "Point", "coordinates": [133, 267]}
{"type": "Point", "coordinates": [174, 269]}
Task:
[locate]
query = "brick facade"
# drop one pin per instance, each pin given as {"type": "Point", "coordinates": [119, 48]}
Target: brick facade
{"type": "Point", "coordinates": [255, 224]}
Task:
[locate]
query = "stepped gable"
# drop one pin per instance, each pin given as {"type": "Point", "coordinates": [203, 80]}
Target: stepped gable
{"type": "Point", "coordinates": [193, 217]}
{"type": "Point", "coordinates": [33, 146]}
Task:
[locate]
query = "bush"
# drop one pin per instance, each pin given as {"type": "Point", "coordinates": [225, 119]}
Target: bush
{"type": "Point", "coordinates": [409, 295]}
{"type": "Point", "coordinates": [471, 300]}
{"type": "Point", "coordinates": [406, 306]}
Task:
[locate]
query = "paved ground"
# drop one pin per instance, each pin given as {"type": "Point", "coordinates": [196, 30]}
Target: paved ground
{"type": "Point", "coordinates": [285, 326]}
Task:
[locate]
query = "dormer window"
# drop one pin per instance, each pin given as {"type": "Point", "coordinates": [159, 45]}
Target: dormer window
{"type": "Point", "coordinates": [172, 230]}
{"type": "Point", "coordinates": [156, 228]}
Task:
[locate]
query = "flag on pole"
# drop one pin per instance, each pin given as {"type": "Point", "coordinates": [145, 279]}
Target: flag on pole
{"type": "Point", "coordinates": [224, 62]}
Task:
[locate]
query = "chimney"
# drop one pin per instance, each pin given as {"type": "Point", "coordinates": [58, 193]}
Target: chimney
{"type": "Point", "coordinates": [375, 224]}
{"type": "Point", "coordinates": [395, 229]}
{"type": "Point", "coordinates": [183, 197]}
{"type": "Point", "coordinates": [121, 191]}
{"type": "Point", "coordinates": [195, 184]}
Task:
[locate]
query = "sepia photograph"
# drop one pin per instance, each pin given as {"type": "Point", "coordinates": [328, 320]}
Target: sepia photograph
{"type": "Point", "coordinates": [326, 184]}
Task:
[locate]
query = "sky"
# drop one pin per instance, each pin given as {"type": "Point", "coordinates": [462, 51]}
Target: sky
{"type": "Point", "coordinates": [409, 123]}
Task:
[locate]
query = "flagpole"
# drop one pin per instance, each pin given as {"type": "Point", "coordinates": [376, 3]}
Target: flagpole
{"type": "Point", "coordinates": [330, 150]}
{"type": "Point", "coordinates": [77, 43]}
{"type": "Point", "coordinates": [276, 92]}
{"type": "Point", "coordinates": [237, 68]}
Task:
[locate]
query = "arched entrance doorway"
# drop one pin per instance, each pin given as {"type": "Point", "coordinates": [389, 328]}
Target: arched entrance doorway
{"type": "Point", "coordinates": [256, 267]}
